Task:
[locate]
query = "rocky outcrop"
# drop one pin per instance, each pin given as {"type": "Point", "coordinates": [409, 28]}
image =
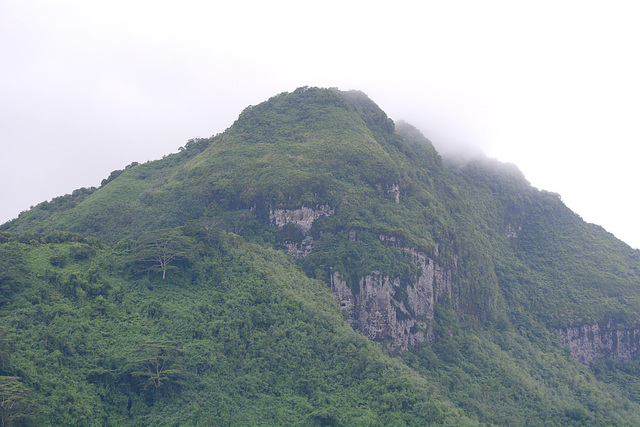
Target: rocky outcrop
{"type": "Point", "coordinates": [387, 311]}
{"type": "Point", "coordinates": [513, 231]}
{"type": "Point", "coordinates": [599, 341]}
{"type": "Point", "coordinates": [302, 218]}
{"type": "Point", "coordinates": [299, 250]}
{"type": "Point", "coordinates": [394, 189]}
{"type": "Point", "coordinates": [380, 307]}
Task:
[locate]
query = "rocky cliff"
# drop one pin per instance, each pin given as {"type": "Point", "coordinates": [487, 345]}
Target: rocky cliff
{"type": "Point", "coordinates": [302, 219]}
{"type": "Point", "coordinates": [388, 311]}
{"type": "Point", "coordinates": [381, 308]}
{"type": "Point", "coordinates": [599, 341]}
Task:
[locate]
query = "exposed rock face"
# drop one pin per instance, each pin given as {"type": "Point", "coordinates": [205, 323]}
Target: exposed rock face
{"type": "Point", "coordinates": [302, 218]}
{"type": "Point", "coordinates": [392, 189]}
{"type": "Point", "coordinates": [385, 311]}
{"type": "Point", "coordinates": [381, 308]}
{"type": "Point", "coordinates": [395, 190]}
{"type": "Point", "coordinates": [601, 341]}
{"type": "Point", "coordinates": [513, 231]}
{"type": "Point", "coordinates": [300, 250]}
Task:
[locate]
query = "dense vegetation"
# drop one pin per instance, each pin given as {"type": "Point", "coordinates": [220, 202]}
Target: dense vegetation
{"type": "Point", "coordinates": [235, 334]}
{"type": "Point", "coordinates": [163, 298]}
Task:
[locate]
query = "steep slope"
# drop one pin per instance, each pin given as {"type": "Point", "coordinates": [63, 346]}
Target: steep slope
{"type": "Point", "coordinates": [571, 274]}
{"type": "Point", "coordinates": [491, 289]}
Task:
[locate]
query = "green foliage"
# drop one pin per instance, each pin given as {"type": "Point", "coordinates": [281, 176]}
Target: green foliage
{"type": "Point", "coordinates": [13, 272]}
{"type": "Point", "coordinates": [156, 363]}
{"type": "Point", "coordinates": [82, 251]}
{"type": "Point", "coordinates": [116, 173]}
{"type": "Point", "coordinates": [160, 250]}
{"type": "Point", "coordinates": [502, 378]}
{"type": "Point", "coordinates": [16, 402]}
{"type": "Point", "coordinates": [240, 326]}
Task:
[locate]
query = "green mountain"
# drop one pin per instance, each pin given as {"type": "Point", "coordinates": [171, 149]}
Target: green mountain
{"type": "Point", "coordinates": [316, 264]}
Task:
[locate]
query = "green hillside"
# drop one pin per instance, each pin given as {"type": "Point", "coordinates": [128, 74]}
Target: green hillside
{"type": "Point", "coordinates": [247, 338]}
{"type": "Point", "coordinates": [461, 294]}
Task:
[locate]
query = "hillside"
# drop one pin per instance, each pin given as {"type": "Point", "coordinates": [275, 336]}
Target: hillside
{"type": "Point", "coordinates": [475, 297]}
{"type": "Point", "coordinates": [246, 338]}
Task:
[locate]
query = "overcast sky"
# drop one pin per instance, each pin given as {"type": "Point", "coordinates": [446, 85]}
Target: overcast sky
{"type": "Point", "coordinates": [87, 87]}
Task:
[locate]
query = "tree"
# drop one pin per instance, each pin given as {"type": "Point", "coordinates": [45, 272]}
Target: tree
{"type": "Point", "coordinates": [16, 401]}
{"type": "Point", "coordinates": [156, 362]}
{"type": "Point", "coordinates": [158, 250]}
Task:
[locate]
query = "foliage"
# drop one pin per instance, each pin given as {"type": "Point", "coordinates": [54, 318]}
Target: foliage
{"type": "Point", "coordinates": [161, 249]}
{"type": "Point", "coordinates": [12, 270]}
{"type": "Point", "coordinates": [116, 173]}
{"type": "Point", "coordinates": [240, 326]}
{"type": "Point", "coordinates": [16, 402]}
{"type": "Point", "coordinates": [156, 363]}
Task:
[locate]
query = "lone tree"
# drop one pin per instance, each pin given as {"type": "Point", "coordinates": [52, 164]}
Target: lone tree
{"type": "Point", "coordinates": [16, 402]}
{"type": "Point", "coordinates": [156, 363]}
{"type": "Point", "coordinates": [160, 249]}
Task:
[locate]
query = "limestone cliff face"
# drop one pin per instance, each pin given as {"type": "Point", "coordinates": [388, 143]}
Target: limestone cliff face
{"type": "Point", "coordinates": [513, 231]}
{"type": "Point", "coordinates": [381, 308]}
{"type": "Point", "coordinates": [302, 218]}
{"type": "Point", "coordinates": [386, 311]}
{"type": "Point", "coordinates": [589, 343]}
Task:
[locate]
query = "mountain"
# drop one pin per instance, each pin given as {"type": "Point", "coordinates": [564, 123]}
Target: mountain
{"type": "Point", "coordinates": [317, 264]}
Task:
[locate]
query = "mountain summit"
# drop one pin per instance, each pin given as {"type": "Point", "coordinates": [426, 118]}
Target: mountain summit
{"type": "Point", "coordinates": [475, 297]}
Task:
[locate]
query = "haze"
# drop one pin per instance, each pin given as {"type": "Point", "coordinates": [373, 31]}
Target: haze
{"type": "Point", "coordinates": [89, 87]}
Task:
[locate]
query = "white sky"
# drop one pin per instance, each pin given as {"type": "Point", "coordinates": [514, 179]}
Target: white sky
{"type": "Point", "coordinates": [87, 87]}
